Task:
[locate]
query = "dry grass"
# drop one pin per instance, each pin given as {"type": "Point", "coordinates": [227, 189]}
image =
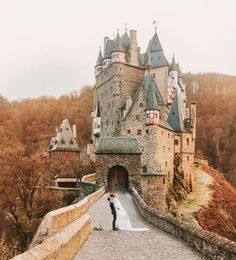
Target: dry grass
{"type": "Point", "coordinates": [7, 250]}
{"type": "Point", "coordinates": [198, 199]}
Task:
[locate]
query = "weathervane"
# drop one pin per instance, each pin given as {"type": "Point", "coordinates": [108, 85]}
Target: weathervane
{"type": "Point", "coordinates": [154, 23]}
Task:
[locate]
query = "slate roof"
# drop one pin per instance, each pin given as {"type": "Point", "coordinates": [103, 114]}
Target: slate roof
{"type": "Point", "coordinates": [174, 66]}
{"type": "Point", "coordinates": [175, 118]}
{"type": "Point", "coordinates": [118, 145]}
{"type": "Point", "coordinates": [99, 59]}
{"type": "Point", "coordinates": [118, 44]}
{"type": "Point", "coordinates": [152, 100]}
{"type": "Point", "coordinates": [108, 48]}
{"type": "Point", "coordinates": [65, 140]}
{"type": "Point", "coordinates": [158, 58]}
{"type": "Point", "coordinates": [125, 40]}
{"type": "Point", "coordinates": [149, 83]}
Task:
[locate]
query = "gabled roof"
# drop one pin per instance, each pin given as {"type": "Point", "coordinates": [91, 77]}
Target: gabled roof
{"type": "Point", "coordinates": [158, 58]}
{"type": "Point", "coordinates": [65, 140]}
{"type": "Point", "coordinates": [149, 84]}
{"type": "Point", "coordinates": [118, 145]}
{"type": "Point", "coordinates": [99, 59]}
{"type": "Point", "coordinates": [175, 118]}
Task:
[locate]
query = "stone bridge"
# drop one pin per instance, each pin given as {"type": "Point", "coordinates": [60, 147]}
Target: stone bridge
{"type": "Point", "coordinates": [69, 233]}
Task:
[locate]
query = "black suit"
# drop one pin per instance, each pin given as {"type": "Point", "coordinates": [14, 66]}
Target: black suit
{"type": "Point", "coordinates": [113, 212]}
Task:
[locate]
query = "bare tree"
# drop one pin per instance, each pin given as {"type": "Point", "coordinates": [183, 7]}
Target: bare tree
{"type": "Point", "coordinates": [23, 183]}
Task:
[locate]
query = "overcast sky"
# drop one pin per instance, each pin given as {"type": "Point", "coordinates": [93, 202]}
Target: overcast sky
{"type": "Point", "coordinates": [49, 47]}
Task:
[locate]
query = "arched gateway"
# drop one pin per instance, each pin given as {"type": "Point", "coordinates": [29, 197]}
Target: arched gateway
{"type": "Point", "coordinates": [118, 163]}
{"type": "Point", "coordinates": [118, 179]}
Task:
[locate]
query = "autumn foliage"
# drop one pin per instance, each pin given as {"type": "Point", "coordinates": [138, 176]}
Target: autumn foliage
{"type": "Point", "coordinates": [219, 216]}
{"type": "Point", "coordinates": [216, 117]}
{"type": "Point", "coordinates": [26, 128]}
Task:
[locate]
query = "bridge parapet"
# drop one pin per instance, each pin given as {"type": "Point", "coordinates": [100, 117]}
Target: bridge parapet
{"type": "Point", "coordinates": [63, 231]}
{"type": "Point", "coordinates": [208, 244]}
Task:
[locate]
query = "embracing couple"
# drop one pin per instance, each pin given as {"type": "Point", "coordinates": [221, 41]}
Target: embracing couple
{"type": "Point", "coordinates": [121, 219]}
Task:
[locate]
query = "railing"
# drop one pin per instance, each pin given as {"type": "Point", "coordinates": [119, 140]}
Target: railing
{"type": "Point", "coordinates": [63, 231]}
{"type": "Point", "coordinates": [209, 245]}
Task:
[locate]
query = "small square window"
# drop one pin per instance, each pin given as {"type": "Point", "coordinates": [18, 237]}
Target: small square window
{"type": "Point", "coordinates": [147, 131]}
{"type": "Point", "coordinates": [128, 131]}
{"type": "Point", "coordinates": [139, 132]}
{"type": "Point", "coordinates": [176, 142]}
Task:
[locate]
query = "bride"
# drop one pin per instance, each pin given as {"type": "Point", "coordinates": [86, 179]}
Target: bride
{"type": "Point", "coordinates": [123, 221]}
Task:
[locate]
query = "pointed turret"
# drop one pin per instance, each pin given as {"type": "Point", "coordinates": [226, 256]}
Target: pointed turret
{"type": "Point", "coordinates": [125, 39]}
{"type": "Point", "coordinates": [100, 58]}
{"type": "Point", "coordinates": [175, 117]}
{"type": "Point", "coordinates": [108, 46]}
{"type": "Point", "coordinates": [174, 66]}
{"type": "Point", "coordinates": [152, 111]}
{"type": "Point", "coordinates": [65, 139]}
{"type": "Point", "coordinates": [118, 44]}
{"type": "Point", "coordinates": [99, 63]}
{"type": "Point", "coordinates": [118, 51]}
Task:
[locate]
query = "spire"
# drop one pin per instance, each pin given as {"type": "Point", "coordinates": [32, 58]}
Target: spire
{"type": "Point", "coordinates": [174, 66]}
{"type": "Point", "coordinates": [175, 118]}
{"type": "Point", "coordinates": [156, 52]}
{"type": "Point", "coordinates": [149, 63]}
{"type": "Point", "coordinates": [118, 43]}
{"type": "Point", "coordinates": [99, 59]}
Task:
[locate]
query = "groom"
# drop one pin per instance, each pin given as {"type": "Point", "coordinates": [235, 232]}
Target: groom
{"type": "Point", "coordinates": [113, 211]}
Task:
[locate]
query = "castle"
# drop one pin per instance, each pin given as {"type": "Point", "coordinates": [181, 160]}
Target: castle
{"type": "Point", "coordinates": [141, 120]}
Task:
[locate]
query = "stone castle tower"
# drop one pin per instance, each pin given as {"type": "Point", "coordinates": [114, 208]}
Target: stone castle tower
{"type": "Point", "coordinates": [141, 120]}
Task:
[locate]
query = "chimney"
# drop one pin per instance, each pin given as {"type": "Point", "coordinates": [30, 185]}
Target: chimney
{"type": "Point", "coordinates": [133, 51]}
{"type": "Point", "coordinates": [74, 131]}
{"type": "Point", "coordinates": [105, 43]}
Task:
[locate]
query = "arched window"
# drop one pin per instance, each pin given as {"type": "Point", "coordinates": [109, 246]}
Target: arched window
{"type": "Point", "coordinates": [187, 141]}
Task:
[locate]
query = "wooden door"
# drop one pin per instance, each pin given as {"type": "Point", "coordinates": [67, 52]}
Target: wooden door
{"type": "Point", "coordinates": [118, 179]}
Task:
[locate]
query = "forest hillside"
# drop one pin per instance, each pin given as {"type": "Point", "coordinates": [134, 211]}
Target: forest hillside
{"type": "Point", "coordinates": [215, 95]}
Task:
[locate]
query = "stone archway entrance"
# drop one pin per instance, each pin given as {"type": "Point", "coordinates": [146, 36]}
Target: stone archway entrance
{"type": "Point", "coordinates": [118, 179]}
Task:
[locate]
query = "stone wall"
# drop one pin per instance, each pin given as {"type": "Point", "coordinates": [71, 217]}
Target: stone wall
{"type": "Point", "coordinates": [89, 178]}
{"type": "Point", "coordinates": [210, 246]}
{"type": "Point", "coordinates": [131, 162]}
{"type": "Point", "coordinates": [62, 232]}
{"type": "Point", "coordinates": [154, 188]}
{"type": "Point", "coordinates": [113, 86]}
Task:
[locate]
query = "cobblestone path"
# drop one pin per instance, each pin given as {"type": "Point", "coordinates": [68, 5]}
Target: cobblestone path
{"type": "Point", "coordinates": [153, 244]}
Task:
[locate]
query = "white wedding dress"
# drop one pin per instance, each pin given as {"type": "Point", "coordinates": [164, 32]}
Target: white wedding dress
{"type": "Point", "coordinates": [123, 221]}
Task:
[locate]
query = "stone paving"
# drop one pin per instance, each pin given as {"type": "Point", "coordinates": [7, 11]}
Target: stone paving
{"type": "Point", "coordinates": [127, 245]}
